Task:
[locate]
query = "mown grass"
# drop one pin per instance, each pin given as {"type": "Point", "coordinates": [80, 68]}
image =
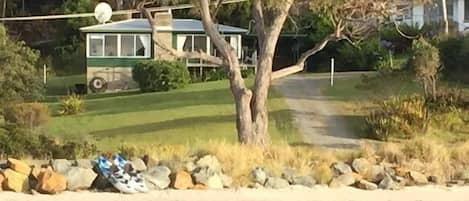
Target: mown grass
{"type": "Point", "coordinates": [60, 85]}
{"type": "Point", "coordinates": [200, 112]}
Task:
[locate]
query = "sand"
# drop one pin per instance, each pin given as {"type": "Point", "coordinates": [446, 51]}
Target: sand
{"type": "Point", "coordinates": [319, 193]}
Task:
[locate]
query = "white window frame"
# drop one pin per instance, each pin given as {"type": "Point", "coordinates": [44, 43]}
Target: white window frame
{"type": "Point", "coordinates": [236, 36]}
{"type": "Point", "coordinates": [88, 37]}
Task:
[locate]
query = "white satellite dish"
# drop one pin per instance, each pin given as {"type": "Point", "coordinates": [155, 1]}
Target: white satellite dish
{"type": "Point", "coordinates": [103, 12]}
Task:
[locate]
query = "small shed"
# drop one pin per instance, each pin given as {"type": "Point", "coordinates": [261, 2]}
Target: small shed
{"type": "Point", "coordinates": [113, 48]}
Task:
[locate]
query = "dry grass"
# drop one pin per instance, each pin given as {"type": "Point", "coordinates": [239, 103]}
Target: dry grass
{"type": "Point", "coordinates": [426, 155]}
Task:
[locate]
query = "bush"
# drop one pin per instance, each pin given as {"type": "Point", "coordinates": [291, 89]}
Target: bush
{"type": "Point", "coordinates": [364, 57]}
{"type": "Point", "coordinates": [216, 74]}
{"type": "Point", "coordinates": [156, 75]}
{"type": "Point", "coordinates": [398, 118]}
{"type": "Point", "coordinates": [71, 105]}
{"type": "Point", "coordinates": [453, 54]}
{"type": "Point", "coordinates": [28, 115]}
{"type": "Point", "coordinates": [247, 73]}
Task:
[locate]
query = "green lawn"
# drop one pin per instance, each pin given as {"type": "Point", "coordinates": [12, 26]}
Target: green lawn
{"type": "Point", "coordinates": [60, 85]}
{"type": "Point", "coordinates": [197, 113]}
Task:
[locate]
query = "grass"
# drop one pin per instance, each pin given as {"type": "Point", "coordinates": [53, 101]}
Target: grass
{"type": "Point", "coordinates": [197, 113]}
{"type": "Point", "coordinates": [60, 85]}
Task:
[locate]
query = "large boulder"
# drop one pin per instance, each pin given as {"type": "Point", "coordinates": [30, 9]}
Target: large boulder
{"type": "Point", "coordinates": [343, 180]}
{"type": "Point", "coordinates": [61, 165]}
{"type": "Point", "coordinates": [366, 185]}
{"type": "Point", "coordinates": [361, 166]}
{"type": "Point", "coordinates": [418, 178]}
{"type": "Point", "coordinates": [85, 163]}
{"type": "Point", "coordinates": [209, 161]}
{"type": "Point", "coordinates": [376, 173]}
{"type": "Point", "coordinates": [388, 183]}
{"type": "Point", "coordinates": [276, 183]}
{"type": "Point", "coordinates": [288, 174]}
{"type": "Point", "coordinates": [138, 164]}
{"type": "Point", "coordinates": [158, 177]}
{"type": "Point", "coordinates": [15, 181]}
{"type": "Point", "coordinates": [182, 180]}
{"type": "Point", "coordinates": [307, 181]}
{"type": "Point", "coordinates": [259, 175]}
{"type": "Point", "coordinates": [79, 178]}
{"type": "Point", "coordinates": [340, 168]}
{"type": "Point", "coordinates": [51, 182]}
{"type": "Point", "coordinates": [209, 178]}
{"type": "Point", "coordinates": [19, 166]}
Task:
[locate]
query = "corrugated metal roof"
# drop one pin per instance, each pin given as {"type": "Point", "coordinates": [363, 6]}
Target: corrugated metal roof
{"type": "Point", "coordinates": [142, 26]}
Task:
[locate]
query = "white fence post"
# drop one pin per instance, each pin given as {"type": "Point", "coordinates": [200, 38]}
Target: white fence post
{"type": "Point", "coordinates": [45, 73]}
{"type": "Point", "coordinates": [332, 71]}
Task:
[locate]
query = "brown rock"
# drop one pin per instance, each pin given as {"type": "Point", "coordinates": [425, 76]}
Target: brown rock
{"type": "Point", "coordinates": [366, 185]}
{"type": "Point", "coordinates": [15, 181]}
{"type": "Point", "coordinates": [19, 166]}
{"type": "Point", "coordinates": [418, 178]}
{"type": "Point", "coordinates": [2, 179]}
{"type": "Point", "coordinates": [199, 187]}
{"type": "Point", "coordinates": [51, 182]}
{"type": "Point", "coordinates": [37, 170]}
{"type": "Point", "coordinates": [402, 172]}
{"type": "Point", "coordinates": [182, 180]}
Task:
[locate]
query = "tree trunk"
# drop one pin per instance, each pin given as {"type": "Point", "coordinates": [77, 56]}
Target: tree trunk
{"type": "Point", "coordinates": [445, 17]}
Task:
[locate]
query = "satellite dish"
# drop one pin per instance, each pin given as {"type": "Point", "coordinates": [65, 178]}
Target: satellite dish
{"type": "Point", "coordinates": [103, 12]}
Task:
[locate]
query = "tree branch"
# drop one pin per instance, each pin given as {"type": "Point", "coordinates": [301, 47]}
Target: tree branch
{"type": "Point", "coordinates": [179, 54]}
{"type": "Point", "coordinates": [300, 64]}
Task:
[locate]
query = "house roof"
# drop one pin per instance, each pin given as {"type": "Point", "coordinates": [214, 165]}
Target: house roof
{"type": "Point", "coordinates": [143, 26]}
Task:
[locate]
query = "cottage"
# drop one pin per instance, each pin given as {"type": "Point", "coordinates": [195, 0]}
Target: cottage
{"type": "Point", "coordinates": [113, 48]}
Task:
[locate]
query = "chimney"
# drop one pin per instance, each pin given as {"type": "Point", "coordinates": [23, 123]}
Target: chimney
{"type": "Point", "coordinates": [164, 18]}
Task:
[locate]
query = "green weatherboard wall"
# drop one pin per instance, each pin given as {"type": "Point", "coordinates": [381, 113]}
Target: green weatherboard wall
{"type": "Point", "coordinates": [113, 62]}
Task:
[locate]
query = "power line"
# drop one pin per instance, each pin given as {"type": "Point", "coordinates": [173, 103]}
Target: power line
{"type": "Point", "coordinates": [120, 12]}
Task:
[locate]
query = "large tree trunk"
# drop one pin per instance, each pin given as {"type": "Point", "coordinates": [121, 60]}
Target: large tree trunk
{"type": "Point", "coordinates": [445, 17]}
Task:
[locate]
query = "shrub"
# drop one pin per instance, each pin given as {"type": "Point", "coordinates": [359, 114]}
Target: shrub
{"type": "Point", "coordinates": [156, 75]}
{"type": "Point", "coordinates": [28, 115]}
{"type": "Point", "coordinates": [247, 73]}
{"type": "Point", "coordinates": [398, 117]}
{"type": "Point", "coordinates": [216, 74]}
{"type": "Point", "coordinates": [365, 56]}
{"type": "Point", "coordinates": [71, 105]}
{"type": "Point", "coordinates": [425, 62]}
{"type": "Point", "coordinates": [453, 54]}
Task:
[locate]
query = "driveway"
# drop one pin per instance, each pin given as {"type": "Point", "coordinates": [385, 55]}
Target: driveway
{"type": "Point", "coordinates": [315, 116]}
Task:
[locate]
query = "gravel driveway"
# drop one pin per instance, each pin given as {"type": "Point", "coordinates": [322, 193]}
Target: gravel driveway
{"type": "Point", "coordinates": [315, 116]}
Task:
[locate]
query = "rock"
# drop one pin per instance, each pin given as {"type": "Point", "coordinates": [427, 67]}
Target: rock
{"type": "Point", "coordinates": [101, 183]}
{"type": "Point", "coordinates": [19, 166]}
{"type": "Point", "coordinates": [434, 179]}
{"type": "Point", "coordinates": [388, 183]}
{"type": "Point", "coordinates": [51, 182]}
{"type": "Point", "coordinates": [182, 180]}
{"type": "Point", "coordinates": [190, 166]}
{"type": "Point", "coordinates": [259, 175]}
{"type": "Point", "coordinates": [276, 183]}
{"type": "Point", "coordinates": [304, 181]}
{"type": "Point", "coordinates": [342, 180]}
{"type": "Point", "coordinates": [79, 178]}
{"type": "Point", "coordinates": [340, 168]}
{"type": "Point", "coordinates": [288, 174]}
{"type": "Point", "coordinates": [209, 178]}
{"type": "Point", "coordinates": [138, 164]}
{"type": "Point", "coordinates": [418, 178]}
{"type": "Point", "coordinates": [3, 164]}
{"type": "Point", "coordinates": [149, 161]}
{"type": "Point", "coordinates": [361, 166]}
{"type": "Point", "coordinates": [199, 187]}
{"type": "Point", "coordinates": [158, 177]}
{"type": "Point", "coordinates": [37, 163]}
{"type": "Point", "coordinates": [463, 175]}
{"type": "Point", "coordinates": [226, 180]}
{"type": "Point", "coordinates": [61, 165]}
{"type": "Point", "coordinates": [85, 163]}
{"type": "Point", "coordinates": [366, 185]}
{"type": "Point", "coordinates": [401, 171]}
{"type": "Point", "coordinates": [376, 173]}
{"type": "Point", "coordinates": [210, 162]}
{"type": "Point", "coordinates": [2, 179]}
{"type": "Point", "coordinates": [454, 183]}
{"type": "Point", "coordinates": [15, 181]}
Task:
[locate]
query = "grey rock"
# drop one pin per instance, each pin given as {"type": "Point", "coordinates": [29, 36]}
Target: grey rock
{"type": "Point", "coordinates": [340, 168]}
{"type": "Point", "coordinates": [61, 165]}
{"type": "Point", "coordinates": [361, 166]}
{"type": "Point", "coordinates": [226, 180]}
{"type": "Point", "coordinates": [376, 173]}
{"type": "Point", "coordinates": [209, 178]}
{"type": "Point", "coordinates": [342, 180]}
{"type": "Point", "coordinates": [190, 166]}
{"type": "Point", "coordinates": [288, 174]}
{"type": "Point", "coordinates": [138, 164]}
{"type": "Point", "coordinates": [307, 181]}
{"type": "Point", "coordinates": [418, 178]}
{"type": "Point", "coordinates": [388, 183]}
{"type": "Point", "coordinates": [366, 185]}
{"type": "Point", "coordinates": [259, 175]}
{"type": "Point", "coordinates": [101, 183]}
{"type": "Point", "coordinates": [209, 161]}
{"type": "Point", "coordinates": [85, 163]}
{"type": "Point", "coordinates": [79, 178]}
{"type": "Point", "coordinates": [276, 183]}
{"type": "Point", "coordinates": [157, 177]}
